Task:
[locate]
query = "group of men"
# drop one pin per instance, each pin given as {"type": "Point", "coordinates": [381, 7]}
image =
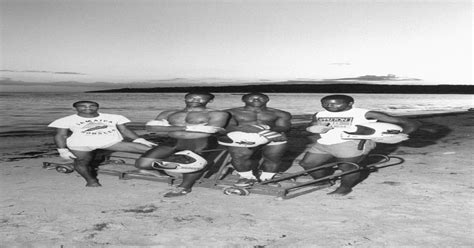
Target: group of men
{"type": "Point", "coordinates": [195, 126]}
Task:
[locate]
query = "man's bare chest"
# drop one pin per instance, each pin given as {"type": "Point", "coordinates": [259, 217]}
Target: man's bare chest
{"type": "Point", "coordinates": [244, 116]}
{"type": "Point", "coordinates": [183, 118]}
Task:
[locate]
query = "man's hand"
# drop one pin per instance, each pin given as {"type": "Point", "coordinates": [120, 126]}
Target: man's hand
{"type": "Point", "coordinates": [203, 128]}
{"type": "Point", "coordinates": [66, 154]}
{"type": "Point", "coordinates": [318, 129]}
{"type": "Point", "coordinates": [144, 142]}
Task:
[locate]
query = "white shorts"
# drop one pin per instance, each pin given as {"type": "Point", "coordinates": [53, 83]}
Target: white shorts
{"type": "Point", "coordinates": [92, 147]}
{"type": "Point", "coordinates": [346, 149]}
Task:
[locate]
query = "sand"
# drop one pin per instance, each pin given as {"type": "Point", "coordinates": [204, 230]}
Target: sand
{"type": "Point", "coordinates": [425, 202]}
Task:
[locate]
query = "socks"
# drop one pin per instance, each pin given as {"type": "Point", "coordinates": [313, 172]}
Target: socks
{"type": "Point", "coordinates": [266, 175]}
{"type": "Point", "coordinates": [263, 177]}
{"type": "Point", "coordinates": [247, 174]}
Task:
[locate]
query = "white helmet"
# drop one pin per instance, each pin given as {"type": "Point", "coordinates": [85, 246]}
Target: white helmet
{"type": "Point", "coordinates": [376, 131]}
{"type": "Point", "coordinates": [181, 162]}
{"type": "Point", "coordinates": [242, 139]}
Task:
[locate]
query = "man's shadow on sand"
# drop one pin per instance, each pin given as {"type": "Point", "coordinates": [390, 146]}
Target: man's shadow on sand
{"type": "Point", "coordinates": [427, 134]}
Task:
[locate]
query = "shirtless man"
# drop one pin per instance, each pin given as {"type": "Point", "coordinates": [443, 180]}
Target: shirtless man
{"type": "Point", "coordinates": [191, 128]}
{"type": "Point", "coordinates": [340, 116]}
{"type": "Point", "coordinates": [256, 118]}
{"type": "Point", "coordinates": [92, 130]}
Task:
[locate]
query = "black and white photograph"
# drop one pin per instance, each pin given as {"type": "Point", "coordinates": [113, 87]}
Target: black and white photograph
{"type": "Point", "coordinates": [236, 123]}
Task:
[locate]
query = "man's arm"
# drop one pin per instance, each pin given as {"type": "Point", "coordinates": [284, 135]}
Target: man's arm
{"type": "Point", "coordinates": [314, 120]}
{"type": "Point", "coordinates": [408, 125]}
{"type": "Point", "coordinates": [161, 124]}
{"type": "Point", "coordinates": [61, 137]}
{"type": "Point", "coordinates": [132, 135]}
{"type": "Point", "coordinates": [127, 132]}
{"type": "Point", "coordinates": [232, 124]}
{"type": "Point", "coordinates": [218, 119]}
{"type": "Point", "coordinates": [60, 140]}
{"type": "Point", "coordinates": [283, 123]}
{"type": "Point", "coordinates": [316, 127]}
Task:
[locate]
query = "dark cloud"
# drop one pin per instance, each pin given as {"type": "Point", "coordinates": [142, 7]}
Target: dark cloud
{"type": "Point", "coordinates": [389, 77]}
{"type": "Point", "coordinates": [65, 72]}
{"type": "Point", "coordinates": [33, 71]}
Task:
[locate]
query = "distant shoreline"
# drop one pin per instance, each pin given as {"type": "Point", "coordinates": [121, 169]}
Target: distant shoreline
{"type": "Point", "coordinates": [307, 88]}
{"type": "Point", "coordinates": [304, 119]}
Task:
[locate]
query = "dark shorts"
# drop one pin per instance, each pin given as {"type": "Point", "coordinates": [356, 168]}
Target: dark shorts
{"type": "Point", "coordinates": [348, 149]}
{"type": "Point", "coordinates": [171, 145]}
{"type": "Point", "coordinates": [195, 145]}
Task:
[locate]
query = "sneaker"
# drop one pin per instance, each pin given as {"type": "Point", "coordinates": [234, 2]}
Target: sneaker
{"type": "Point", "coordinates": [245, 182]}
{"type": "Point", "coordinates": [179, 191]}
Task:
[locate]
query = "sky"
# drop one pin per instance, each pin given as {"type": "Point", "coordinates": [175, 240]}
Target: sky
{"type": "Point", "coordinates": [147, 41]}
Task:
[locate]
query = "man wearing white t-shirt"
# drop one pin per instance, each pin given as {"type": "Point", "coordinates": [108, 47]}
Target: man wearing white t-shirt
{"type": "Point", "coordinates": [340, 116]}
{"type": "Point", "coordinates": [92, 130]}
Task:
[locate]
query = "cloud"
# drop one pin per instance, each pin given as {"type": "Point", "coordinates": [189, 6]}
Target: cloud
{"type": "Point", "coordinates": [33, 71]}
{"type": "Point", "coordinates": [47, 72]}
{"type": "Point", "coordinates": [389, 77]}
{"type": "Point", "coordinates": [74, 73]}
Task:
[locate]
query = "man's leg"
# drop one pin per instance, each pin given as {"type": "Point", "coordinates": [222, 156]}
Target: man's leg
{"type": "Point", "coordinates": [350, 180]}
{"type": "Point", "coordinates": [313, 160]}
{"type": "Point", "coordinates": [190, 178]}
{"type": "Point", "coordinates": [244, 165]}
{"type": "Point", "coordinates": [241, 158]}
{"type": "Point", "coordinates": [82, 164]}
{"type": "Point", "coordinates": [186, 185]}
{"type": "Point", "coordinates": [351, 152]}
{"type": "Point", "coordinates": [128, 147]}
{"type": "Point", "coordinates": [146, 160]}
{"type": "Point", "coordinates": [197, 146]}
{"type": "Point", "coordinates": [272, 156]}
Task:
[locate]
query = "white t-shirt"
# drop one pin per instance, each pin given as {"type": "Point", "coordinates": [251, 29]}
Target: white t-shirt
{"type": "Point", "coordinates": [96, 131]}
{"type": "Point", "coordinates": [340, 121]}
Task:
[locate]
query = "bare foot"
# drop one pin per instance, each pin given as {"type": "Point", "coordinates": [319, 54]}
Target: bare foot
{"type": "Point", "coordinates": [341, 191]}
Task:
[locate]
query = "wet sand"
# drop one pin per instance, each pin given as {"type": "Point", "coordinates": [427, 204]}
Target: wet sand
{"type": "Point", "coordinates": [425, 202]}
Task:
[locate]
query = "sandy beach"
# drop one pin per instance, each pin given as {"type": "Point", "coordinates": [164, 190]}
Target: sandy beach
{"type": "Point", "coordinates": [425, 202]}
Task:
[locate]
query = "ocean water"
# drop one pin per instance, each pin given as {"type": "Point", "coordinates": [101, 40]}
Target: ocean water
{"type": "Point", "coordinates": [30, 113]}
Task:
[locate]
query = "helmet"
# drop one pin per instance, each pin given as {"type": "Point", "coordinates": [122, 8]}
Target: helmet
{"type": "Point", "coordinates": [242, 139]}
{"type": "Point", "coordinates": [181, 162]}
{"type": "Point", "coordinates": [376, 131]}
